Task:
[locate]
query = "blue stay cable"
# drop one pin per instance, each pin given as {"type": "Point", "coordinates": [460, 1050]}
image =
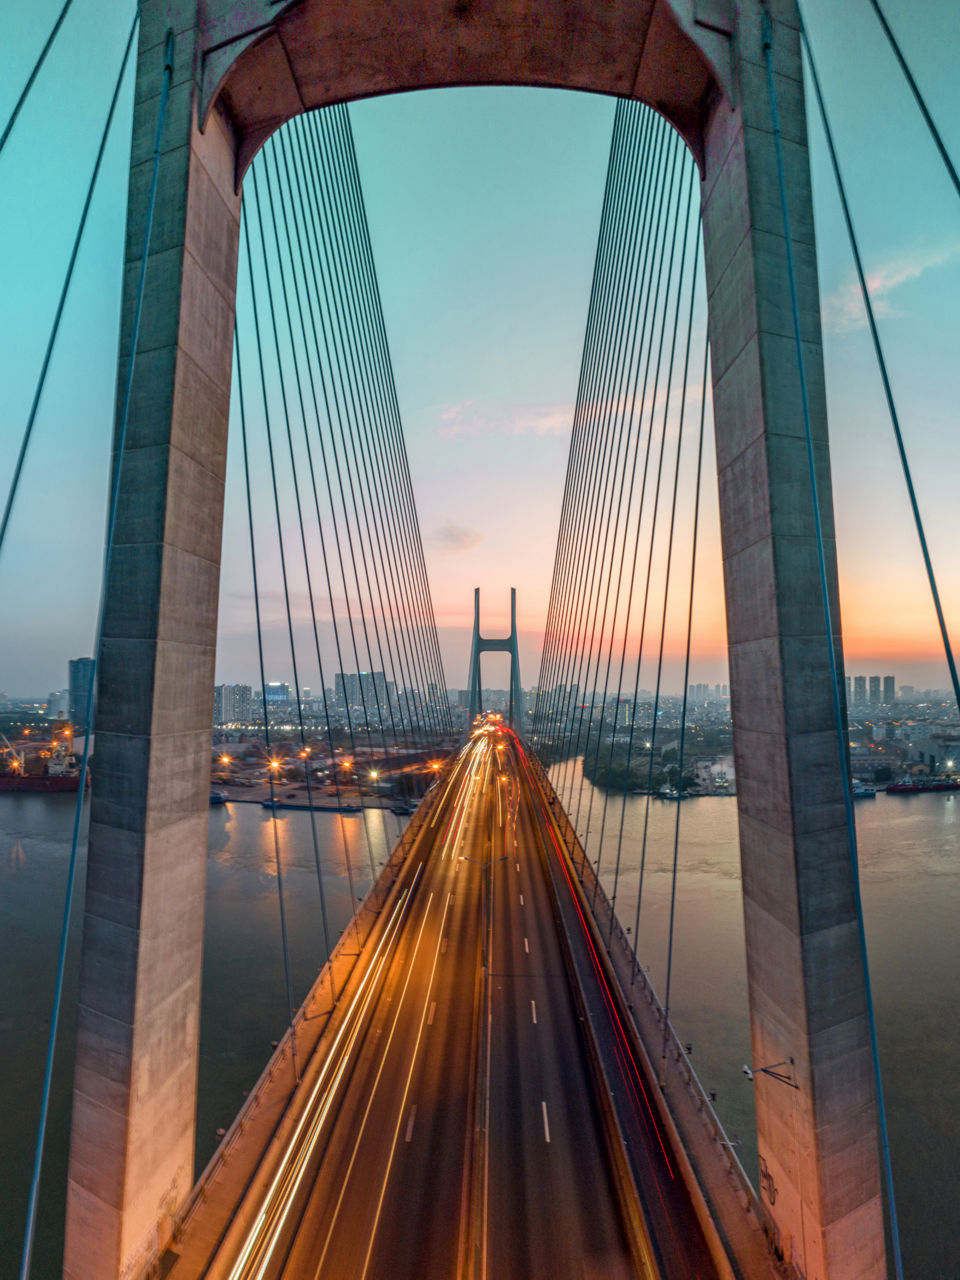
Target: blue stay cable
{"type": "Point", "coordinates": [120, 441]}
{"type": "Point", "coordinates": [58, 315]}
{"type": "Point", "coordinates": [882, 365]}
{"type": "Point", "coordinates": [831, 648]}
{"type": "Point", "coordinates": [41, 59]}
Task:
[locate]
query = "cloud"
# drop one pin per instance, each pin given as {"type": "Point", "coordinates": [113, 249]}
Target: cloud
{"type": "Point", "coordinates": [501, 417]}
{"type": "Point", "coordinates": [843, 310]}
{"type": "Point", "coordinates": [454, 537]}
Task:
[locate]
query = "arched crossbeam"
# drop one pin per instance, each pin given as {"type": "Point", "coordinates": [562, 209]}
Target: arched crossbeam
{"type": "Point", "coordinates": [242, 70]}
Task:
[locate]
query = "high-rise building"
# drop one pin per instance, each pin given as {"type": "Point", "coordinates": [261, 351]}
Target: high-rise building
{"type": "Point", "coordinates": [889, 690]}
{"type": "Point", "coordinates": [907, 693]}
{"type": "Point", "coordinates": [875, 693]}
{"type": "Point", "coordinates": [80, 676]}
{"type": "Point", "coordinates": [278, 693]}
{"type": "Point", "coordinates": [849, 680]}
{"type": "Point", "coordinates": [232, 703]}
{"type": "Point", "coordinates": [859, 690]}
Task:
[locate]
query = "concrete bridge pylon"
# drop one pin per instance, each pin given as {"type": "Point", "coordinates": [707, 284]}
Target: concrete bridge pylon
{"type": "Point", "coordinates": [504, 644]}
{"type": "Point", "coordinates": [240, 71]}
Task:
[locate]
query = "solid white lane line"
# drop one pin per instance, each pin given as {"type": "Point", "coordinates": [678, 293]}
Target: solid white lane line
{"type": "Point", "coordinates": [521, 899]}
{"type": "Point", "coordinates": [533, 1011]}
{"type": "Point", "coordinates": [518, 866]}
{"type": "Point", "coordinates": [433, 1010]}
{"type": "Point", "coordinates": [546, 1122]}
{"type": "Point", "coordinates": [526, 946]}
{"type": "Point", "coordinates": [413, 1116]}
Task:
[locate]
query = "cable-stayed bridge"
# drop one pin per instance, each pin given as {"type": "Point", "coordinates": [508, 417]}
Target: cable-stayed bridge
{"type": "Point", "coordinates": [483, 1080]}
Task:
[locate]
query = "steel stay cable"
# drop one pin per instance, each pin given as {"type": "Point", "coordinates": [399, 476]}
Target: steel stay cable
{"type": "Point", "coordinates": [884, 375]}
{"type": "Point", "coordinates": [349, 378]}
{"type": "Point", "coordinates": [422, 607]}
{"type": "Point", "coordinates": [355, 348]}
{"type": "Point", "coordinates": [335, 311]}
{"type": "Point", "coordinates": [316, 347]}
{"type": "Point", "coordinates": [622, 564]}
{"type": "Point", "coordinates": [612, 424]}
{"type": "Point", "coordinates": [373, 419]}
{"type": "Point", "coordinates": [581, 590]}
{"type": "Point", "coordinates": [26, 1260]}
{"type": "Point", "coordinates": [683, 715]}
{"type": "Point", "coordinates": [306, 558]}
{"type": "Point", "coordinates": [62, 301]}
{"type": "Point", "coordinates": [393, 566]}
{"type": "Point", "coordinates": [767, 34]}
{"type": "Point", "coordinates": [636, 362]}
{"type": "Point", "coordinates": [581, 541]}
{"type": "Point", "coordinates": [41, 58]}
{"type": "Point", "coordinates": [311, 464]}
{"type": "Point", "coordinates": [636, 545]}
{"type": "Point", "coordinates": [398, 455]}
{"type": "Point", "coordinates": [286, 415]}
{"type": "Point", "coordinates": [918, 96]}
{"type": "Point", "coordinates": [653, 531]}
{"type": "Point", "coordinates": [245, 222]}
{"type": "Point", "coordinates": [660, 293]}
{"type": "Point", "coordinates": [270, 151]}
{"type": "Point", "coordinates": [545, 696]}
{"type": "Point", "coordinates": [571, 573]}
{"type": "Point", "coordinates": [579, 451]}
{"type": "Point", "coordinates": [673, 144]}
{"type": "Point", "coordinates": [318, 257]}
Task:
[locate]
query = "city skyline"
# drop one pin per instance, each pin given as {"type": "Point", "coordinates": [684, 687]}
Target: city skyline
{"type": "Point", "coordinates": [483, 207]}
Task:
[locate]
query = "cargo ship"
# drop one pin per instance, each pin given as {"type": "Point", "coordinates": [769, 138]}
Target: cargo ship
{"type": "Point", "coordinates": [923, 784]}
{"type": "Point", "coordinates": [52, 769]}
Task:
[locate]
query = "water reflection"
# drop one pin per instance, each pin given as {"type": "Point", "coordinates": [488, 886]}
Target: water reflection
{"type": "Point", "coordinates": [911, 885]}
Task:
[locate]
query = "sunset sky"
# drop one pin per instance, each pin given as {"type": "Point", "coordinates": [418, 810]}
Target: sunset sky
{"type": "Point", "coordinates": [483, 207]}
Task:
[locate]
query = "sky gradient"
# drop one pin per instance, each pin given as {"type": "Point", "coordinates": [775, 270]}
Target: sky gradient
{"type": "Point", "coordinates": [483, 207]}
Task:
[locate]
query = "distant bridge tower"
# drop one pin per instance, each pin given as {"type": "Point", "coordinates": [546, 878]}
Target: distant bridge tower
{"type": "Point", "coordinates": [508, 644]}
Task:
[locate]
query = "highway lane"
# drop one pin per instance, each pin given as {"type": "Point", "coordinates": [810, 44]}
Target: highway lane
{"type": "Point", "coordinates": [674, 1230]}
{"type": "Point", "coordinates": [552, 1207]}
{"type": "Point", "coordinates": [453, 1129]}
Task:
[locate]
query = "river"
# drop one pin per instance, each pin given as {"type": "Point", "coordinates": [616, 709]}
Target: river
{"type": "Point", "coordinates": [910, 867]}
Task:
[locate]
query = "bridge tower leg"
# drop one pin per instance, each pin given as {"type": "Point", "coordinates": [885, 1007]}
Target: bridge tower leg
{"type": "Point", "coordinates": [134, 1103]}
{"type": "Point", "coordinates": [818, 1144]}
{"type": "Point", "coordinates": [506, 644]}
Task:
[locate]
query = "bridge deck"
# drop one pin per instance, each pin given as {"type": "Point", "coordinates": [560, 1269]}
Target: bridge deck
{"type": "Point", "coordinates": [449, 1122]}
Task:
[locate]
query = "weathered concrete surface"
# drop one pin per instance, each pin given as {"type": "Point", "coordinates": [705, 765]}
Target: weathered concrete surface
{"type": "Point", "coordinates": [818, 1143]}
{"type": "Point", "coordinates": [242, 69]}
{"type": "Point", "coordinates": [132, 1146]}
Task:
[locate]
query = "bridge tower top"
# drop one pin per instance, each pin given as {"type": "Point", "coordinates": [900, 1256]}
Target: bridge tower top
{"type": "Point", "coordinates": [506, 644]}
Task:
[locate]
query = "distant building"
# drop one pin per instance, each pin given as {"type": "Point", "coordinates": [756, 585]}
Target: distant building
{"type": "Point", "coordinates": [849, 680]}
{"type": "Point", "coordinates": [232, 704]}
{"type": "Point", "coordinates": [58, 705]}
{"type": "Point", "coordinates": [80, 676]}
{"type": "Point", "coordinates": [278, 694]}
{"type": "Point", "coordinates": [875, 693]}
{"type": "Point", "coordinates": [889, 690]}
{"type": "Point", "coordinates": [907, 693]}
{"type": "Point", "coordinates": [859, 690]}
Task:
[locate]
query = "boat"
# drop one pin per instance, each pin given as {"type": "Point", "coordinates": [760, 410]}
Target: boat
{"type": "Point", "coordinates": [922, 784]}
{"type": "Point", "coordinates": [218, 797]}
{"type": "Point", "coordinates": [862, 790]}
